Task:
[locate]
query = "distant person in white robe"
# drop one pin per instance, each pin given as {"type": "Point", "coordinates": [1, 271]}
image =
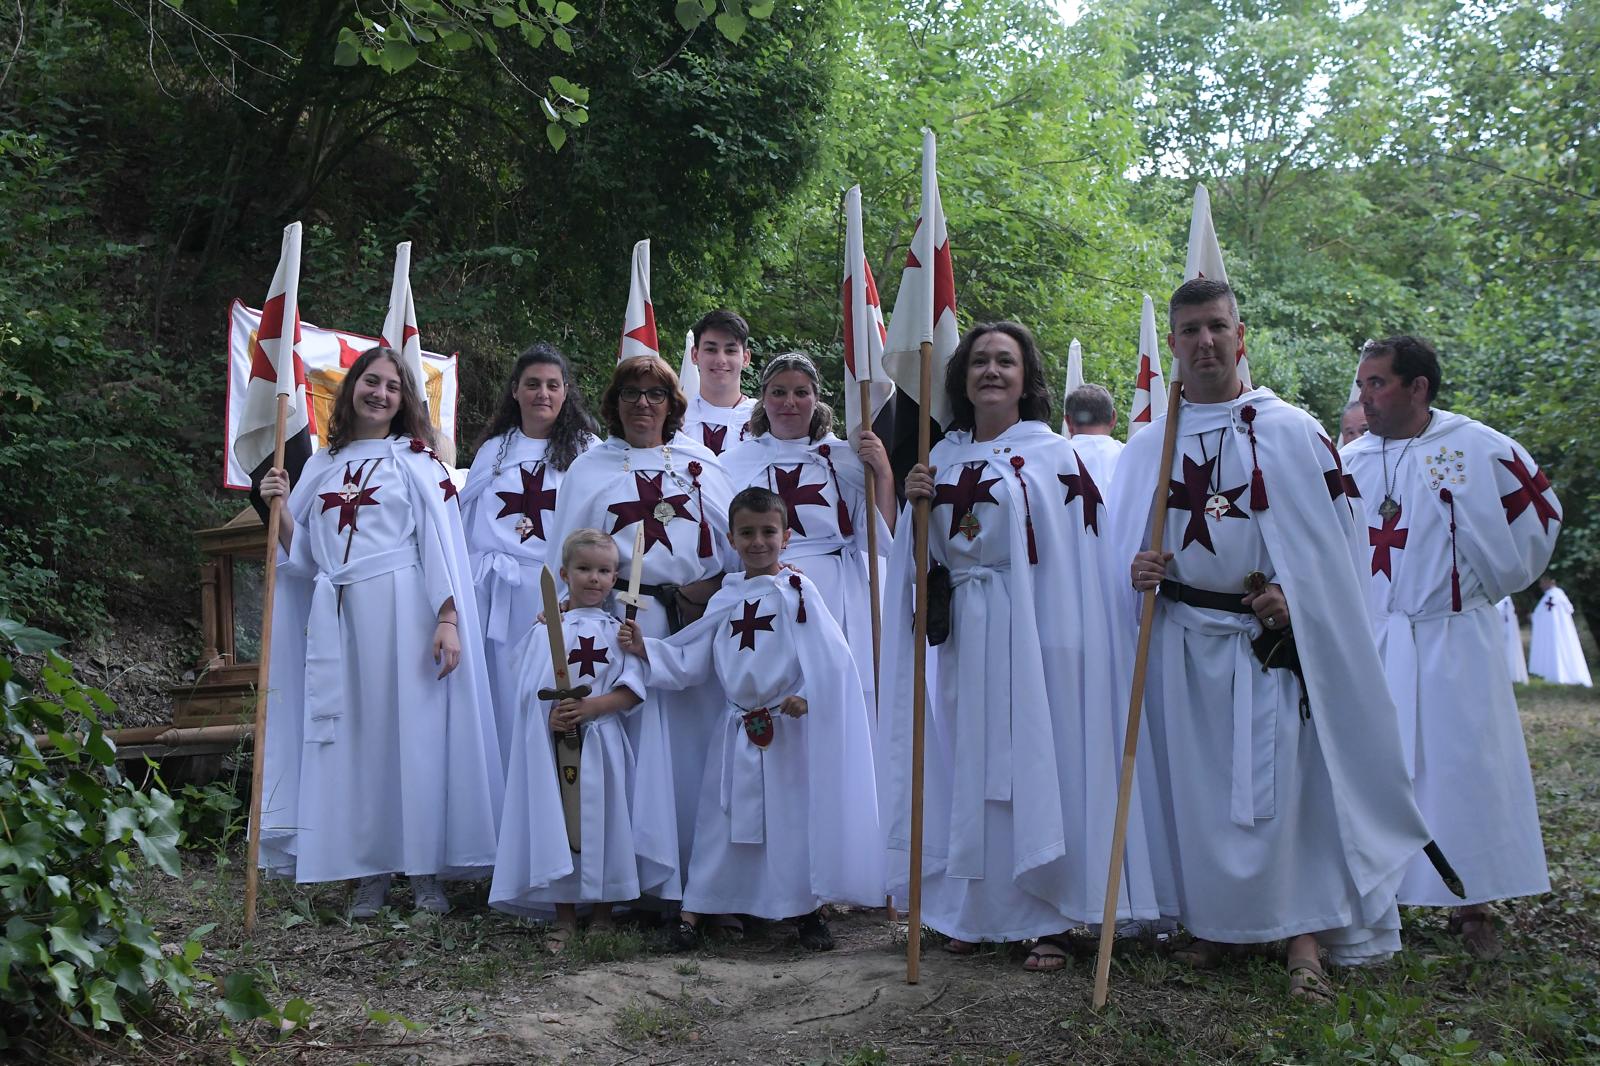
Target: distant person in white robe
{"type": "Point", "coordinates": [538, 428]}
{"type": "Point", "coordinates": [787, 816]}
{"type": "Point", "coordinates": [1090, 418]}
{"type": "Point", "coordinates": [381, 749]}
{"type": "Point", "coordinates": [1555, 653]}
{"type": "Point", "coordinates": [719, 413]}
{"type": "Point", "coordinates": [1458, 516]}
{"type": "Point", "coordinates": [1516, 659]}
{"type": "Point", "coordinates": [1352, 422]}
{"type": "Point", "coordinates": [1290, 813]}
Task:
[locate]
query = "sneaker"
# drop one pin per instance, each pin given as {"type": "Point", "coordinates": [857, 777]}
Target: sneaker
{"type": "Point", "coordinates": [429, 895]}
{"type": "Point", "coordinates": [814, 934]}
{"type": "Point", "coordinates": [371, 894]}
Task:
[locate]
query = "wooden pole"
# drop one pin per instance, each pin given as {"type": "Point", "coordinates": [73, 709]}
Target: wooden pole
{"type": "Point", "coordinates": [259, 755]}
{"type": "Point", "coordinates": [872, 543]}
{"type": "Point", "coordinates": [919, 670]}
{"type": "Point", "coordinates": [1130, 744]}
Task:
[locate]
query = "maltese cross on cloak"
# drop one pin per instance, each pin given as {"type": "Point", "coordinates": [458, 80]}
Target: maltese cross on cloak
{"type": "Point", "coordinates": [967, 491]}
{"type": "Point", "coordinates": [1385, 539]}
{"type": "Point", "coordinates": [653, 508]}
{"type": "Point", "coordinates": [530, 503]}
{"type": "Point", "coordinates": [1081, 485]}
{"type": "Point", "coordinates": [745, 628]}
{"type": "Point", "coordinates": [794, 494]}
{"type": "Point", "coordinates": [586, 655]}
{"type": "Point", "coordinates": [1193, 494]}
{"type": "Point", "coordinates": [1530, 492]}
{"type": "Point", "coordinates": [351, 498]}
{"type": "Point", "coordinates": [715, 438]}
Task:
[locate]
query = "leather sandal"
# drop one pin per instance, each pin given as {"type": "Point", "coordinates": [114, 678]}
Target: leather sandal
{"type": "Point", "coordinates": [1308, 984]}
{"type": "Point", "coordinates": [1048, 954]}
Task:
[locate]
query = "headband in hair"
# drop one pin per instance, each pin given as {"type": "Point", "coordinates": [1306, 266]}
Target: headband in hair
{"type": "Point", "coordinates": [789, 361]}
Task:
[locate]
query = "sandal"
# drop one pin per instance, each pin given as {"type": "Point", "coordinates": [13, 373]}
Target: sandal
{"type": "Point", "coordinates": [960, 947]}
{"type": "Point", "coordinates": [1308, 984]}
{"type": "Point", "coordinates": [557, 937]}
{"type": "Point", "coordinates": [1477, 933]}
{"type": "Point", "coordinates": [1048, 954]}
{"type": "Point", "coordinates": [686, 936]}
{"type": "Point", "coordinates": [1200, 954]}
{"type": "Point", "coordinates": [728, 926]}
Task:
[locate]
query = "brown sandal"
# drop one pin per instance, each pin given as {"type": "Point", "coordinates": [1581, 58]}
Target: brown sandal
{"type": "Point", "coordinates": [960, 947]}
{"type": "Point", "coordinates": [557, 936]}
{"type": "Point", "coordinates": [1048, 954]}
{"type": "Point", "coordinates": [1308, 984]}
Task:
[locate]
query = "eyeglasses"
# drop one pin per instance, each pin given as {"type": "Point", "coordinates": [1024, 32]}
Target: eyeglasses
{"type": "Point", "coordinates": [654, 396]}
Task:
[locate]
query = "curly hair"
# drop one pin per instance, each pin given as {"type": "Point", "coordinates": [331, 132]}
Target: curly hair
{"type": "Point", "coordinates": [569, 434]}
{"type": "Point", "coordinates": [634, 372]}
{"type": "Point", "coordinates": [821, 415]}
{"type": "Point", "coordinates": [1032, 406]}
{"type": "Point", "coordinates": [410, 421]}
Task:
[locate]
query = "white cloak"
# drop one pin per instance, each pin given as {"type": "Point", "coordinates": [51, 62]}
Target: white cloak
{"type": "Point", "coordinates": [506, 513]}
{"type": "Point", "coordinates": [1556, 654]}
{"type": "Point", "coordinates": [1445, 664]}
{"type": "Point", "coordinates": [1277, 826]}
{"type": "Point", "coordinates": [372, 764]}
{"type": "Point", "coordinates": [715, 428]}
{"type": "Point", "coordinates": [1025, 726]}
{"type": "Point", "coordinates": [629, 835]}
{"type": "Point", "coordinates": [785, 828]}
{"type": "Point", "coordinates": [1516, 660]}
{"type": "Point", "coordinates": [1100, 453]}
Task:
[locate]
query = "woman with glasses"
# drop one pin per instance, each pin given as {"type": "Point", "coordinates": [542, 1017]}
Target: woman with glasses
{"type": "Point", "coordinates": [649, 484]}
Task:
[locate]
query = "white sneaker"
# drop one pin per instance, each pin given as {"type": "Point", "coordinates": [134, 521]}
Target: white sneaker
{"type": "Point", "coordinates": [428, 894]}
{"type": "Point", "coordinates": [371, 894]}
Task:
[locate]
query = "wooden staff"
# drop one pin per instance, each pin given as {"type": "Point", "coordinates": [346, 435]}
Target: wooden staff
{"type": "Point", "coordinates": [259, 743]}
{"type": "Point", "coordinates": [919, 671]}
{"type": "Point", "coordinates": [1130, 744]}
{"type": "Point", "coordinates": [872, 542]}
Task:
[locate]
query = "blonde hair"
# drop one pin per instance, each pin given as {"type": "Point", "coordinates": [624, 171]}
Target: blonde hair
{"type": "Point", "coordinates": [586, 538]}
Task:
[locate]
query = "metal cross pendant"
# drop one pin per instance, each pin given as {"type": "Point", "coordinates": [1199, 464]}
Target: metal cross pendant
{"type": "Point", "coordinates": [1388, 508]}
{"type": "Point", "coordinates": [1218, 506]}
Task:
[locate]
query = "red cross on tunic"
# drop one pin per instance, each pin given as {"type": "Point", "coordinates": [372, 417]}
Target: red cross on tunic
{"type": "Point", "coordinates": [1081, 485]}
{"type": "Point", "coordinates": [351, 498]}
{"type": "Point", "coordinates": [745, 628]}
{"type": "Point", "coordinates": [1383, 540]}
{"type": "Point", "coordinates": [967, 491]}
{"type": "Point", "coordinates": [795, 494]}
{"type": "Point", "coordinates": [644, 510]}
{"type": "Point", "coordinates": [715, 437]}
{"type": "Point", "coordinates": [529, 504]}
{"type": "Point", "coordinates": [1193, 494]}
{"type": "Point", "coordinates": [448, 486]}
{"type": "Point", "coordinates": [1529, 493]}
{"type": "Point", "coordinates": [1339, 482]}
{"type": "Point", "coordinates": [586, 655]}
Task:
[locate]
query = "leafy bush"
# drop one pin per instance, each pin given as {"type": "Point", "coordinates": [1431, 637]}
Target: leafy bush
{"type": "Point", "coordinates": [73, 829]}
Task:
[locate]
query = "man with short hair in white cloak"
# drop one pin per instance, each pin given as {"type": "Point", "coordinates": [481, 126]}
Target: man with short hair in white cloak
{"type": "Point", "coordinates": [1556, 654]}
{"type": "Point", "coordinates": [1457, 515]}
{"type": "Point", "coordinates": [1090, 418]}
{"type": "Point", "coordinates": [1273, 740]}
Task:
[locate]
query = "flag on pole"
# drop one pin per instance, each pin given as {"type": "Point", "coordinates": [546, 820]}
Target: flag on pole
{"type": "Point", "coordinates": [924, 310]}
{"type": "Point", "coordinates": [1149, 391]}
{"type": "Point", "coordinates": [1074, 380]}
{"type": "Point", "coordinates": [1205, 259]}
{"type": "Point", "coordinates": [864, 334]}
{"type": "Point", "coordinates": [400, 324]}
{"type": "Point", "coordinates": [276, 370]}
{"type": "Point", "coordinates": [688, 373]}
{"type": "Point", "coordinates": [639, 322]}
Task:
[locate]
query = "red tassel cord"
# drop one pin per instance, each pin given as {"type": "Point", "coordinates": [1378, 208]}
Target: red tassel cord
{"type": "Point", "coordinates": [1258, 484]}
{"type": "Point", "coordinates": [846, 528]}
{"type": "Point", "coordinates": [1449, 500]}
{"type": "Point", "coordinates": [700, 501]}
{"type": "Point", "coordinates": [798, 586]}
{"type": "Point", "coordinates": [1027, 511]}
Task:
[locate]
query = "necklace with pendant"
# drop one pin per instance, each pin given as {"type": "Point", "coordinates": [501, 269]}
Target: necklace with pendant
{"type": "Point", "coordinates": [663, 512]}
{"type": "Point", "coordinates": [1217, 505]}
{"type": "Point", "coordinates": [1390, 506]}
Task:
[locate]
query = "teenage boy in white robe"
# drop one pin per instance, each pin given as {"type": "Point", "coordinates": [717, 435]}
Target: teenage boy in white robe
{"type": "Point", "coordinates": [787, 819]}
{"type": "Point", "coordinates": [718, 415]}
{"type": "Point", "coordinates": [1556, 654]}
{"type": "Point", "coordinates": [628, 837]}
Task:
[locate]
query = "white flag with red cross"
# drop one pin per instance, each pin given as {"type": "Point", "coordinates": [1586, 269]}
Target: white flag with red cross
{"type": "Point", "coordinates": [688, 372]}
{"type": "Point", "coordinates": [1074, 379]}
{"type": "Point", "coordinates": [275, 366]}
{"type": "Point", "coordinates": [1149, 390]}
{"type": "Point", "coordinates": [400, 330]}
{"type": "Point", "coordinates": [639, 322]}
{"type": "Point", "coordinates": [864, 334]}
{"type": "Point", "coordinates": [925, 306]}
{"type": "Point", "coordinates": [1205, 259]}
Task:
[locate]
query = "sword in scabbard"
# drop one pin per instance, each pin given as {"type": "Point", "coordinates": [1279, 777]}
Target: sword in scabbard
{"type": "Point", "coordinates": [630, 599]}
{"type": "Point", "coordinates": [1446, 872]}
{"type": "Point", "coordinates": [569, 746]}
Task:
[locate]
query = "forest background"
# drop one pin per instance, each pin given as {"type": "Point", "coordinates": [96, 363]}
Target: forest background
{"type": "Point", "coordinates": [1425, 166]}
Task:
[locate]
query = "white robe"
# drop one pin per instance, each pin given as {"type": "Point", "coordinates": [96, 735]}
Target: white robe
{"type": "Point", "coordinates": [629, 837]}
{"type": "Point", "coordinates": [785, 828]}
{"type": "Point", "coordinates": [1025, 725]}
{"type": "Point", "coordinates": [506, 515]}
{"type": "Point", "coordinates": [373, 765]}
{"type": "Point", "coordinates": [715, 428]}
{"type": "Point", "coordinates": [836, 561]}
{"type": "Point", "coordinates": [1278, 826]}
{"type": "Point", "coordinates": [1555, 654]}
{"type": "Point", "coordinates": [1100, 453]}
{"type": "Point", "coordinates": [1516, 660]}
{"type": "Point", "coordinates": [604, 487]}
{"type": "Point", "coordinates": [1445, 664]}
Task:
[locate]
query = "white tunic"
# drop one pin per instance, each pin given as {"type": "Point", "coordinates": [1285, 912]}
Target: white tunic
{"type": "Point", "coordinates": [1516, 661]}
{"type": "Point", "coordinates": [785, 827]}
{"type": "Point", "coordinates": [1446, 663]}
{"type": "Point", "coordinates": [629, 839]}
{"type": "Point", "coordinates": [506, 513]}
{"type": "Point", "coordinates": [717, 428]}
{"type": "Point", "coordinates": [1100, 453]}
{"type": "Point", "coordinates": [1555, 654]}
{"type": "Point", "coordinates": [373, 764]}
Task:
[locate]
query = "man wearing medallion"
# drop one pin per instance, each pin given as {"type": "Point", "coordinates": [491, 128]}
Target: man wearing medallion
{"type": "Point", "coordinates": [1458, 516]}
{"type": "Point", "coordinates": [1272, 744]}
